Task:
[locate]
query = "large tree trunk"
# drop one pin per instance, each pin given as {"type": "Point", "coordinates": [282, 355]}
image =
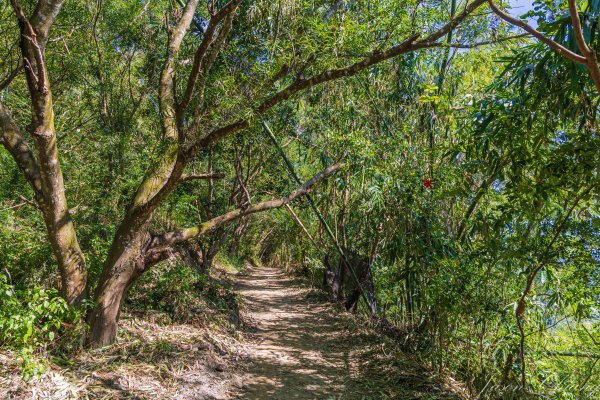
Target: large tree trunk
{"type": "Point", "coordinates": [134, 250]}
{"type": "Point", "coordinates": [127, 255]}
{"type": "Point", "coordinates": [61, 231]}
{"type": "Point", "coordinates": [46, 180]}
{"type": "Point", "coordinates": [104, 319]}
{"type": "Point", "coordinates": [71, 263]}
{"type": "Point", "coordinates": [126, 262]}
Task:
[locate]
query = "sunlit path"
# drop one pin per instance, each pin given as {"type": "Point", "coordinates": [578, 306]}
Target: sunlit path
{"type": "Point", "coordinates": [302, 348]}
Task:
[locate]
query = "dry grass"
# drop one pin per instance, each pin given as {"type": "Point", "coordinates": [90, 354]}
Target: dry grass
{"type": "Point", "coordinates": [304, 348]}
{"type": "Point", "coordinates": [190, 353]}
{"type": "Point", "coordinates": [149, 361]}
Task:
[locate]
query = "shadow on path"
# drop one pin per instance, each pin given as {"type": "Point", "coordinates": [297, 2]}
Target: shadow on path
{"type": "Point", "coordinates": [302, 349]}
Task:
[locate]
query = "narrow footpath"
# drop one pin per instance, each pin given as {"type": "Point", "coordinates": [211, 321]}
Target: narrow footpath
{"type": "Point", "coordinates": [303, 348]}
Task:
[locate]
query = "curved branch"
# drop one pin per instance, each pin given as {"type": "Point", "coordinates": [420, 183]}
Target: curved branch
{"type": "Point", "coordinates": [161, 242]}
{"type": "Point", "coordinates": [583, 47]}
{"type": "Point", "coordinates": [376, 57]}
{"type": "Point", "coordinates": [590, 55]}
{"type": "Point", "coordinates": [165, 89]}
{"type": "Point", "coordinates": [538, 35]}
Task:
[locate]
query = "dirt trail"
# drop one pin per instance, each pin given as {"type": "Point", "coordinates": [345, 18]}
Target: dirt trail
{"type": "Point", "coordinates": [293, 346]}
{"type": "Point", "coordinates": [302, 348]}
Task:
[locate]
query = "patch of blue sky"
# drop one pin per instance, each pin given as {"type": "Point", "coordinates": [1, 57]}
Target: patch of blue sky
{"type": "Point", "coordinates": [561, 138]}
{"type": "Point", "coordinates": [520, 7]}
{"type": "Point", "coordinates": [498, 185]}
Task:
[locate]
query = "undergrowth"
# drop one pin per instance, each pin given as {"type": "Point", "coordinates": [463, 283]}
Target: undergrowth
{"type": "Point", "coordinates": [36, 322]}
{"type": "Point", "coordinates": [39, 327]}
{"type": "Point", "coordinates": [176, 292]}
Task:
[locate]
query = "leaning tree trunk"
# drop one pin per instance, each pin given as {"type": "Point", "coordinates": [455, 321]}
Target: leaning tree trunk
{"type": "Point", "coordinates": [71, 263]}
{"type": "Point", "coordinates": [126, 258]}
{"type": "Point", "coordinates": [123, 266]}
{"type": "Point", "coordinates": [44, 171]}
{"type": "Point", "coordinates": [104, 319]}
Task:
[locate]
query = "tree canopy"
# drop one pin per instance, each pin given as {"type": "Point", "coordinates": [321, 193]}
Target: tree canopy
{"type": "Point", "coordinates": [452, 144]}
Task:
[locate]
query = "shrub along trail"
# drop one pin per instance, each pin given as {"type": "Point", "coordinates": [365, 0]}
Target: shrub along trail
{"type": "Point", "coordinates": [303, 348]}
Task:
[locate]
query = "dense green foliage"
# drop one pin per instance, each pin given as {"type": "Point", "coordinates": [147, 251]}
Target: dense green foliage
{"type": "Point", "coordinates": [470, 174]}
{"type": "Point", "coordinates": [35, 320]}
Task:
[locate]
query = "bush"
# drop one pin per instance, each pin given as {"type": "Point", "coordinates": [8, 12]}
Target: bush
{"type": "Point", "coordinates": [32, 320]}
{"type": "Point", "coordinates": [178, 292]}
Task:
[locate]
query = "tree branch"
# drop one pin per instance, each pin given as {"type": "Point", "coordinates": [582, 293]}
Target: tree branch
{"type": "Point", "coordinates": [191, 177]}
{"type": "Point", "coordinates": [454, 22]}
{"type": "Point", "coordinates": [376, 57]}
{"type": "Point", "coordinates": [583, 47]}
{"type": "Point", "coordinates": [32, 48]}
{"type": "Point", "coordinates": [4, 84]}
{"type": "Point", "coordinates": [590, 55]}
{"type": "Point", "coordinates": [585, 354]}
{"type": "Point", "coordinates": [43, 17]}
{"type": "Point", "coordinates": [479, 44]}
{"type": "Point", "coordinates": [12, 139]}
{"type": "Point", "coordinates": [538, 35]}
{"type": "Point", "coordinates": [165, 89]}
{"type": "Point", "coordinates": [161, 242]}
{"type": "Point", "coordinates": [219, 44]}
{"type": "Point", "coordinates": [199, 56]}
{"type": "Point", "coordinates": [159, 180]}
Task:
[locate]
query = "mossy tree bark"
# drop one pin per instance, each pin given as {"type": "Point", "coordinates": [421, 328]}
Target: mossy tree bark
{"type": "Point", "coordinates": [43, 169]}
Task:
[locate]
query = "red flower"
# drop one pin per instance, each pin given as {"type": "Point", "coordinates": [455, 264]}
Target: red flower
{"type": "Point", "coordinates": [427, 183]}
